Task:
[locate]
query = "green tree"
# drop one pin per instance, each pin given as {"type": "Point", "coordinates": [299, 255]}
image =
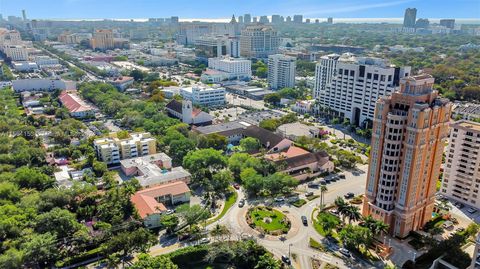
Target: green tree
{"type": "Point", "coordinates": [126, 243]}
{"type": "Point", "coordinates": [170, 222]}
{"type": "Point", "coordinates": [40, 250]}
{"type": "Point", "coordinates": [250, 144]}
{"type": "Point", "coordinates": [192, 214]}
{"type": "Point", "coordinates": [30, 178]}
{"type": "Point", "coordinates": [179, 148]}
{"type": "Point", "coordinates": [220, 232]}
{"type": "Point", "coordinates": [58, 221]}
{"type": "Point", "coordinates": [328, 222]}
{"type": "Point", "coordinates": [355, 237]}
{"type": "Point", "coordinates": [159, 262]}
{"type": "Point", "coordinates": [267, 261]}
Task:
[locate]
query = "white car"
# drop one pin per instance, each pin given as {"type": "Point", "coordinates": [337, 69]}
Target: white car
{"type": "Point", "coordinates": [279, 199]}
{"type": "Point", "coordinates": [204, 240]}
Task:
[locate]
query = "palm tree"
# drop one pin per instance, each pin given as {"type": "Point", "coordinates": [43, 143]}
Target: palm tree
{"type": "Point", "coordinates": [352, 213]}
{"type": "Point", "coordinates": [323, 189]}
{"type": "Point", "coordinates": [375, 226]}
{"type": "Point", "coordinates": [341, 207]}
{"type": "Point", "coordinates": [220, 231]}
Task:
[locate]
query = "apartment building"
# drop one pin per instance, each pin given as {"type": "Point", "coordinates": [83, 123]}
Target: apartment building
{"type": "Point", "coordinates": [258, 41]}
{"type": "Point", "coordinates": [409, 131]}
{"type": "Point", "coordinates": [461, 176]}
{"type": "Point", "coordinates": [209, 46]}
{"type": "Point", "coordinates": [102, 39]}
{"type": "Point", "coordinates": [113, 149]}
{"type": "Point", "coordinates": [234, 68]}
{"type": "Point", "coordinates": [204, 96]}
{"type": "Point", "coordinates": [16, 52]}
{"type": "Point", "coordinates": [351, 85]}
{"type": "Point", "coordinates": [281, 71]}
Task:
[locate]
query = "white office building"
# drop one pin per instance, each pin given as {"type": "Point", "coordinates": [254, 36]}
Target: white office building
{"type": "Point", "coordinates": [281, 71]}
{"type": "Point", "coordinates": [349, 86]}
{"type": "Point", "coordinates": [40, 84]}
{"type": "Point", "coordinates": [45, 61]}
{"type": "Point", "coordinates": [16, 52]}
{"type": "Point", "coordinates": [235, 67]}
{"type": "Point", "coordinates": [204, 96]}
{"type": "Point", "coordinates": [461, 177]}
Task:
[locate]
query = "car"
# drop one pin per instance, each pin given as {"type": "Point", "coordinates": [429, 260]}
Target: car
{"type": "Point", "coordinates": [459, 230]}
{"type": "Point", "coordinates": [169, 212]}
{"type": "Point", "coordinates": [312, 185]}
{"type": "Point", "coordinates": [327, 180]}
{"type": "Point", "coordinates": [304, 220]}
{"type": "Point", "coordinates": [334, 178]}
{"type": "Point", "coordinates": [471, 210]}
{"type": "Point", "coordinates": [342, 176]}
{"type": "Point", "coordinates": [183, 237]}
{"type": "Point", "coordinates": [447, 225]}
{"type": "Point", "coordinates": [236, 186]}
{"type": "Point", "coordinates": [459, 205]}
{"type": "Point", "coordinates": [241, 203]}
{"type": "Point", "coordinates": [323, 182]}
{"type": "Point", "coordinates": [204, 240]}
{"type": "Point", "coordinates": [349, 195]}
{"type": "Point", "coordinates": [310, 193]}
{"type": "Point", "coordinates": [286, 259]}
{"type": "Point", "coordinates": [334, 212]}
{"type": "Point", "coordinates": [345, 252]}
{"type": "Point", "coordinates": [279, 199]}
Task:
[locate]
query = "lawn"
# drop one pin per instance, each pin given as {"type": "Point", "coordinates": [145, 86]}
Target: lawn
{"type": "Point", "coordinates": [312, 197]}
{"type": "Point", "coordinates": [231, 199]}
{"type": "Point", "coordinates": [316, 245]}
{"type": "Point", "coordinates": [268, 219]}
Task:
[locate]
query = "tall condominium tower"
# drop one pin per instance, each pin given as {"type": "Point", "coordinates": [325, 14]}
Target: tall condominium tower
{"type": "Point", "coordinates": [350, 85]}
{"type": "Point", "coordinates": [410, 18]}
{"type": "Point", "coordinates": [409, 131]}
{"type": "Point", "coordinates": [298, 18]}
{"type": "Point", "coordinates": [281, 71]}
{"type": "Point", "coordinates": [102, 39]}
{"type": "Point", "coordinates": [461, 176]}
{"type": "Point", "coordinates": [258, 41]}
{"type": "Point", "coordinates": [247, 18]}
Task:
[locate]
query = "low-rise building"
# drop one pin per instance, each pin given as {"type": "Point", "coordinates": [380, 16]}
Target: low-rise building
{"type": "Point", "coordinates": [296, 129]}
{"type": "Point", "coordinates": [303, 106]}
{"type": "Point", "coordinates": [155, 169]}
{"type": "Point", "coordinates": [40, 84]}
{"type": "Point", "coordinates": [24, 66]}
{"type": "Point", "coordinates": [466, 111]}
{"type": "Point", "coordinates": [121, 83]}
{"type": "Point", "coordinates": [302, 164]}
{"type": "Point", "coordinates": [187, 113]}
{"type": "Point", "coordinates": [234, 68]}
{"type": "Point", "coordinates": [204, 96]}
{"type": "Point", "coordinates": [112, 149]}
{"type": "Point", "coordinates": [76, 106]}
{"type": "Point", "coordinates": [151, 202]}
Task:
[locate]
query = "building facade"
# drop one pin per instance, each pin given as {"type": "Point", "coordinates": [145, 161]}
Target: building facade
{"type": "Point", "coordinates": [281, 71]}
{"type": "Point", "coordinates": [349, 86]}
{"type": "Point", "coordinates": [409, 131]}
{"type": "Point", "coordinates": [258, 41]}
{"type": "Point", "coordinates": [410, 18]}
{"type": "Point", "coordinates": [236, 68]}
{"type": "Point", "coordinates": [113, 149]}
{"type": "Point", "coordinates": [461, 176]}
{"type": "Point", "coordinates": [103, 40]}
{"type": "Point", "coordinates": [204, 96]}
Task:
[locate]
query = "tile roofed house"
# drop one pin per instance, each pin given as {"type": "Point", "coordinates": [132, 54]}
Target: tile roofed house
{"type": "Point", "coordinates": [302, 164]}
{"type": "Point", "coordinates": [121, 83]}
{"type": "Point", "coordinates": [155, 169]}
{"type": "Point", "coordinates": [236, 130]}
{"type": "Point", "coordinates": [77, 107]}
{"type": "Point", "coordinates": [151, 202]}
{"type": "Point", "coordinates": [187, 113]}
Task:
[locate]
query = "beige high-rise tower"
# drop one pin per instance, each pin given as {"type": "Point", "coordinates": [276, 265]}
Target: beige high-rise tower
{"type": "Point", "coordinates": [408, 136]}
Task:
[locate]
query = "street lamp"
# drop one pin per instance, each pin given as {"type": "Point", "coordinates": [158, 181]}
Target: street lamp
{"type": "Point", "coordinates": [384, 239]}
{"type": "Point", "coordinates": [289, 245]}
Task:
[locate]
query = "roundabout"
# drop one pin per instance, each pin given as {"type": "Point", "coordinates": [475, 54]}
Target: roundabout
{"type": "Point", "coordinates": [267, 220]}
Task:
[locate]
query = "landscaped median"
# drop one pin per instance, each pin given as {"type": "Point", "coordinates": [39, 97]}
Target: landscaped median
{"type": "Point", "coordinates": [229, 202]}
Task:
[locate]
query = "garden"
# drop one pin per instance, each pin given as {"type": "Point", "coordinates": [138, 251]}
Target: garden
{"type": "Point", "coordinates": [268, 220]}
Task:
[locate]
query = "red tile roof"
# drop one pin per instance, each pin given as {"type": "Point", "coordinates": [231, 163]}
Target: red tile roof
{"type": "Point", "coordinates": [145, 202]}
{"type": "Point", "coordinates": [292, 151]}
{"type": "Point", "coordinates": [73, 102]}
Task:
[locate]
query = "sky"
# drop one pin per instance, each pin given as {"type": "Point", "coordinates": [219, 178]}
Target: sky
{"type": "Point", "coordinates": [123, 9]}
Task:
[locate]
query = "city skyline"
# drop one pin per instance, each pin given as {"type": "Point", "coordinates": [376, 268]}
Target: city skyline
{"type": "Point", "coordinates": [89, 9]}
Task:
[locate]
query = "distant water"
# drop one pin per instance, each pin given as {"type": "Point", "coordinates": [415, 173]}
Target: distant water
{"type": "Point", "coordinates": [335, 20]}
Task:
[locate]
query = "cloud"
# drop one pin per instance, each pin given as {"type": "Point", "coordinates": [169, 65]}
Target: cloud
{"type": "Point", "coordinates": [353, 7]}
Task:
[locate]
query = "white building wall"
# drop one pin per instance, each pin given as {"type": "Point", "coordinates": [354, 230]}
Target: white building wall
{"type": "Point", "coordinates": [281, 71]}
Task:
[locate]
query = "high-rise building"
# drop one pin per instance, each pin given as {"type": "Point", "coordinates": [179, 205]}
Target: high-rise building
{"type": "Point", "coordinates": [422, 23]}
{"type": "Point", "coordinates": [281, 71]}
{"type": "Point", "coordinates": [174, 20]}
{"type": "Point", "coordinates": [461, 176]}
{"type": "Point", "coordinates": [298, 18]}
{"type": "Point", "coordinates": [255, 19]}
{"type": "Point", "coordinates": [103, 40]}
{"type": "Point", "coordinates": [258, 41]}
{"type": "Point", "coordinates": [240, 19]}
{"type": "Point", "coordinates": [330, 20]}
{"type": "Point", "coordinates": [247, 18]}
{"type": "Point", "coordinates": [24, 15]}
{"type": "Point", "coordinates": [307, 21]}
{"type": "Point", "coordinates": [409, 131]}
{"type": "Point", "coordinates": [209, 46]}
{"type": "Point", "coordinates": [449, 23]}
{"type": "Point", "coordinates": [410, 18]}
{"type": "Point", "coordinates": [276, 19]}
{"type": "Point", "coordinates": [263, 19]}
{"type": "Point", "coordinates": [351, 85]}
{"type": "Point", "coordinates": [289, 19]}
{"type": "Point", "coordinates": [317, 21]}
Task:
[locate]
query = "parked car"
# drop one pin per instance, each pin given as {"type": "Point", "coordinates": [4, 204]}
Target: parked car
{"type": "Point", "coordinates": [204, 240]}
{"type": "Point", "coordinates": [345, 252]}
{"type": "Point", "coordinates": [241, 203]}
{"type": "Point", "coordinates": [334, 212]}
{"type": "Point", "coordinates": [447, 225]}
{"type": "Point", "coordinates": [334, 178]}
{"type": "Point", "coordinates": [323, 182]}
{"type": "Point", "coordinates": [169, 212]}
{"type": "Point", "coordinates": [327, 180]}
{"type": "Point", "coordinates": [459, 205]}
{"type": "Point", "coordinates": [279, 199]}
{"type": "Point", "coordinates": [236, 186]}
{"type": "Point", "coordinates": [349, 195]}
{"type": "Point", "coordinates": [471, 210]}
{"type": "Point", "coordinates": [183, 237]}
{"type": "Point", "coordinates": [342, 176]}
{"type": "Point", "coordinates": [310, 193]}
{"type": "Point", "coordinates": [286, 260]}
{"type": "Point", "coordinates": [312, 185]}
{"type": "Point", "coordinates": [304, 220]}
